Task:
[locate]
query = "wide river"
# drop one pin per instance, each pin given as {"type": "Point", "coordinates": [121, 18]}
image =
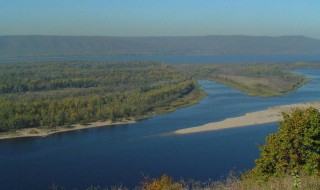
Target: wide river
{"type": "Point", "coordinates": [109, 156]}
{"type": "Point", "coordinates": [179, 59]}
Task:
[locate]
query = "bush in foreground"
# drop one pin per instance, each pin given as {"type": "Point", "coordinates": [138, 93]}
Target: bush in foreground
{"type": "Point", "coordinates": [294, 149]}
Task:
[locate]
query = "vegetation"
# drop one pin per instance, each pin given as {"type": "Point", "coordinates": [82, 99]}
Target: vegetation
{"type": "Point", "coordinates": [60, 94]}
{"type": "Point", "coordinates": [64, 93]}
{"type": "Point", "coordinates": [232, 183]}
{"type": "Point", "coordinates": [165, 182]}
{"type": "Point", "coordinates": [295, 148]}
{"type": "Point", "coordinates": [253, 79]}
{"type": "Point", "coordinates": [34, 77]}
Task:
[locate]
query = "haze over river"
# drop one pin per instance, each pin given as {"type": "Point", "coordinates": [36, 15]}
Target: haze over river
{"type": "Point", "coordinates": [124, 154]}
{"type": "Point", "coordinates": [180, 59]}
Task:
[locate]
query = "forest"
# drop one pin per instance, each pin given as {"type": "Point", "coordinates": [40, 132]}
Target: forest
{"type": "Point", "coordinates": [51, 94]}
{"type": "Point", "coordinates": [55, 94]}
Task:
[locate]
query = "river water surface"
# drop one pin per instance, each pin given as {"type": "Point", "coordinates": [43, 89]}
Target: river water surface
{"type": "Point", "coordinates": [109, 156]}
{"type": "Point", "coordinates": [180, 59]}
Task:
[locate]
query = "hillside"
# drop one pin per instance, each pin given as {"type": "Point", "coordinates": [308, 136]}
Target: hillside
{"type": "Point", "coordinates": [24, 46]}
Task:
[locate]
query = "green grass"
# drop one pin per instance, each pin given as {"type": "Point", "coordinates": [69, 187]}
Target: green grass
{"type": "Point", "coordinates": [253, 79]}
{"type": "Point", "coordinates": [253, 87]}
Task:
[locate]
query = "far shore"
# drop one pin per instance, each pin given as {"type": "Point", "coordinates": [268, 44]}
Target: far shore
{"type": "Point", "coordinates": [43, 132]}
{"type": "Point", "coordinates": [254, 118]}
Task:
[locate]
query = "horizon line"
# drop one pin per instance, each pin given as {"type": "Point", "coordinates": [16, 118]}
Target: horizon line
{"type": "Point", "coordinates": [155, 36]}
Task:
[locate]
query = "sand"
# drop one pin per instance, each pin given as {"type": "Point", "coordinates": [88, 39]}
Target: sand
{"type": "Point", "coordinates": [254, 118]}
{"type": "Point", "coordinates": [43, 132]}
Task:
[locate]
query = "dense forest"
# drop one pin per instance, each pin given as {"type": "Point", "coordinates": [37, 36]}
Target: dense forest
{"type": "Point", "coordinates": [64, 93]}
{"type": "Point", "coordinates": [50, 94]}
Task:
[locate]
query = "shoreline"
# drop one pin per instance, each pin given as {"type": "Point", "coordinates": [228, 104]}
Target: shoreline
{"type": "Point", "coordinates": [252, 92]}
{"type": "Point", "coordinates": [191, 99]}
{"type": "Point", "coordinates": [269, 115]}
{"type": "Point", "coordinates": [44, 132]}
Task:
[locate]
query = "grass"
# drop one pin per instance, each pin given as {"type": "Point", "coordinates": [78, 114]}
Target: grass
{"type": "Point", "coordinates": [231, 183]}
{"type": "Point", "coordinates": [253, 79]}
{"type": "Point", "coordinates": [264, 87]}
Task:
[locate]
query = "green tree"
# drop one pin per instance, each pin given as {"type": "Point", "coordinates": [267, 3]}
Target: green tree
{"type": "Point", "coordinates": [294, 148]}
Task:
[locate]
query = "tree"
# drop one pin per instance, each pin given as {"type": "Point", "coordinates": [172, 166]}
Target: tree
{"type": "Point", "coordinates": [294, 148]}
{"type": "Point", "coordinates": [165, 182]}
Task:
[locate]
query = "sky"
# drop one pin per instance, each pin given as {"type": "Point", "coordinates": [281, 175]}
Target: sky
{"type": "Point", "coordinates": [160, 17]}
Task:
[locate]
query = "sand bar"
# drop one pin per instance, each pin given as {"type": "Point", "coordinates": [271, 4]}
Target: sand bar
{"type": "Point", "coordinates": [43, 132]}
{"type": "Point", "coordinates": [254, 118]}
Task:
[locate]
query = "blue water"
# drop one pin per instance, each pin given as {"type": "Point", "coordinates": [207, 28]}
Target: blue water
{"type": "Point", "coordinates": [125, 154]}
{"type": "Point", "coordinates": [181, 59]}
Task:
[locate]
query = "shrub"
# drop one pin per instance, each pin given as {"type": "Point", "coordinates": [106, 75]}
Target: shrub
{"type": "Point", "coordinates": [164, 183]}
{"type": "Point", "coordinates": [295, 148]}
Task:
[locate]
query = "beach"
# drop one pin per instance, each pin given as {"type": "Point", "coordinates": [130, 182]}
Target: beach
{"type": "Point", "coordinates": [269, 115]}
{"type": "Point", "coordinates": [43, 132]}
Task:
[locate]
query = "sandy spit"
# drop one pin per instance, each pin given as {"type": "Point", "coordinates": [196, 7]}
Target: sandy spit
{"type": "Point", "coordinates": [43, 132]}
{"type": "Point", "coordinates": [259, 117]}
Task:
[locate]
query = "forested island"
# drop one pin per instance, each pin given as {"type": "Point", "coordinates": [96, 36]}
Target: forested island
{"type": "Point", "coordinates": [41, 98]}
{"type": "Point", "coordinates": [54, 94]}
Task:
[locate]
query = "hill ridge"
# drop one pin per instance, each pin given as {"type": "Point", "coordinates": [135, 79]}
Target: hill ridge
{"type": "Point", "coordinates": [43, 45]}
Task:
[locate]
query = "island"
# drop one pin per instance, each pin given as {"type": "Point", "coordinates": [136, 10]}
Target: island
{"type": "Point", "coordinates": [44, 98]}
{"type": "Point", "coordinates": [39, 99]}
{"type": "Point", "coordinates": [263, 80]}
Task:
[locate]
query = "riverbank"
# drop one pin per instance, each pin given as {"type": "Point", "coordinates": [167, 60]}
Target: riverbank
{"type": "Point", "coordinates": [262, 87]}
{"type": "Point", "coordinates": [44, 132]}
{"type": "Point", "coordinates": [251, 79]}
{"type": "Point", "coordinates": [193, 98]}
{"type": "Point", "coordinates": [254, 118]}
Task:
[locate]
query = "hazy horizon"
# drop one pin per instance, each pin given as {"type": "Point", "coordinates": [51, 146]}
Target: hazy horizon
{"type": "Point", "coordinates": [141, 18]}
{"type": "Point", "coordinates": [275, 36]}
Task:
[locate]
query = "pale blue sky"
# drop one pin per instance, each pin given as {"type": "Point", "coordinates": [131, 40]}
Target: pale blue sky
{"type": "Point", "coordinates": [160, 17]}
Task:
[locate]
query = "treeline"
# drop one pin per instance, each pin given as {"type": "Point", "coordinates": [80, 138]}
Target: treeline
{"type": "Point", "coordinates": [105, 91]}
{"type": "Point", "coordinates": [67, 111]}
{"type": "Point", "coordinates": [30, 77]}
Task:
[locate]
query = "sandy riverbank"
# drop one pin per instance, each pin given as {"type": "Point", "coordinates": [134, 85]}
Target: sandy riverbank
{"type": "Point", "coordinates": [259, 117]}
{"type": "Point", "coordinates": [43, 132]}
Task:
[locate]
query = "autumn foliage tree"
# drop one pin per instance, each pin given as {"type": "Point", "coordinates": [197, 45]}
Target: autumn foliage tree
{"type": "Point", "coordinates": [165, 182]}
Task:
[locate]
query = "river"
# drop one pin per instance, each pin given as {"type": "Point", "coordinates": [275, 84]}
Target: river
{"type": "Point", "coordinates": [181, 59]}
{"type": "Point", "coordinates": [109, 156]}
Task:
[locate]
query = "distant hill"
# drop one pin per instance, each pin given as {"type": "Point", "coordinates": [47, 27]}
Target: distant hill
{"type": "Point", "coordinates": [23, 46]}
